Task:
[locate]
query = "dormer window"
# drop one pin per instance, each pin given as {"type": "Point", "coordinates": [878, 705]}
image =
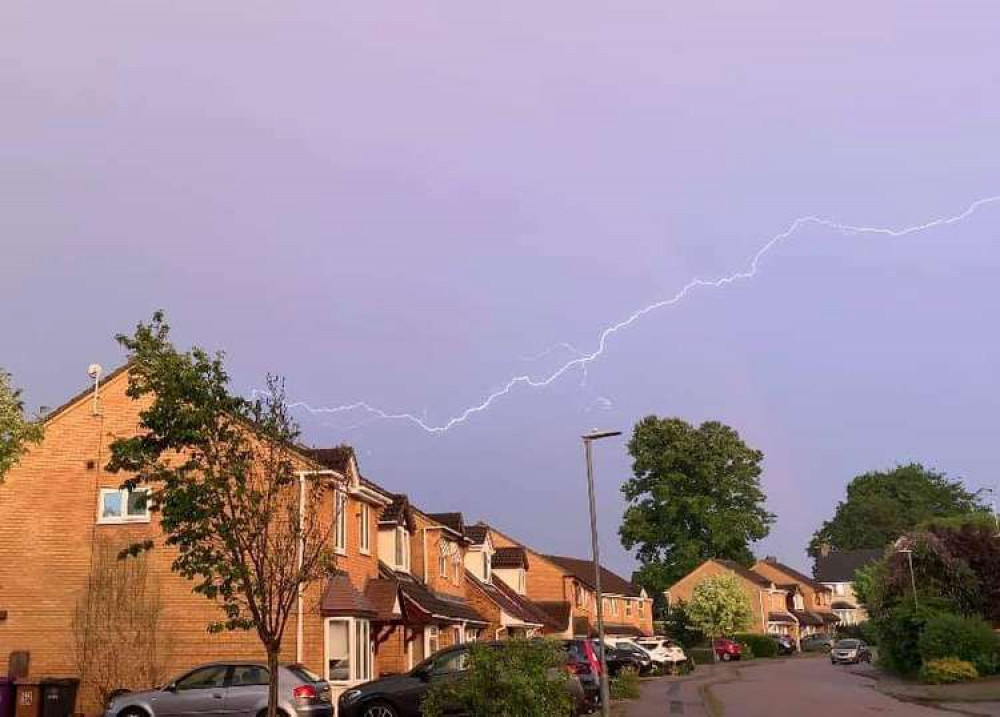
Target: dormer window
{"type": "Point", "coordinates": [487, 576]}
{"type": "Point", "coordinates": [340, 534]}
{"type": "Point", "coordinates": [402, 549]}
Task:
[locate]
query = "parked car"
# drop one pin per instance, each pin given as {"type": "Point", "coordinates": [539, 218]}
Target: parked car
{"type": "Point", "coordinates": [401, 695]}
{"type": "Point", "coordinates": [231, 688]}
{"type": "Point", "coordinates": [662, 650]}
{"type": "Point", "coordinates": [582, 661]}
{"type": "Point", "coordinates": [817, 642]}
{"type": "Point", "coordinates": [646, 661]}
{"type": "Point", "coordinates": [618, 660]}
{"type": "Point", "coordinates": [727, 649]}
{"type": "Point", "coordinates": [785, 643]}
{"type": "Point", "coordinates": [850, 652]}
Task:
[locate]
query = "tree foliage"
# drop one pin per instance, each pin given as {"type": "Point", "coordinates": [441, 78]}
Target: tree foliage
{"type": "Point", "coordinates": [521, 678]}
{"type": "Point", "coordinates": [882, 505]}
{"type": "Point", "coordinates": [695, 494]}
{"type": "Point", "coordinates": [17, 431]}
{"type": "Point", "coordinates": [222, 476]}
{"type": "Point", "coordinates": [719, 606]}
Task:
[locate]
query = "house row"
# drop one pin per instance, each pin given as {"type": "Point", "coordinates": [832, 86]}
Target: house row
{"type": "Point", "coordinates": [783, 601]}
{"type": "Point", "coordinates": [409, 581]}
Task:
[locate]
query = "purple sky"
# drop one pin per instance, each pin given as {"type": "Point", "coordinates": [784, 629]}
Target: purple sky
{"type": "Point", "coordinates": [398, 202]}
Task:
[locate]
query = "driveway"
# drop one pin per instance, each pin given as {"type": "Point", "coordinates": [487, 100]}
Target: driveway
{"type": "Point", "coordinates": [801, 686]}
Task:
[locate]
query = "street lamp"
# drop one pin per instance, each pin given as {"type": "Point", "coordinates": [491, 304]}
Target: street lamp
{"type": "Point", "coordinates": [587, 440]}
{"type": "Point", "coordinates": [903, 547]}
{"type": "Point", "coordinates": [993, 506]}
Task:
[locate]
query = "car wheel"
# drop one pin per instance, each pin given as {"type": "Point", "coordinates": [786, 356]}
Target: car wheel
{"type": "Point", "coordinates": [380, 709]}
{"type": "Point", "coordinates": [726, 657]}
{"type": "Point", "coordinates": [133, 712]}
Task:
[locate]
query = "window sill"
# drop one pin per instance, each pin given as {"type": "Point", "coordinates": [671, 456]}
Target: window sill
{"type": "Point", "coordinates": [342, 552]}
{"type": "Point", "coordinates": [364, 552]}
{"type": "Point", "coordinates": [124, 521]}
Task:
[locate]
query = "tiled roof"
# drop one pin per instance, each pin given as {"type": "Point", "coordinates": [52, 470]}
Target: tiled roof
{"type": "Point", "coordinates": [87, 392]}
{"type": "Point", "coordinates": [538, 615]}
{"type": "Point", "coordinates": [435, 605]}
{"type": "Point", "coordinates": [383, 594]}
{"type": "Point", "coordinates": [844, 605]}
{"type": "Point", "coordinates": [337, 458]}
{"type": "Point", "coordinates": [781, 617]}
{"type": "Point", "coordinates": [514, 557]}
{"type": "Point", "coordinates": [341, 598]}
{"type": "Point", "coordinates": [398, 513]}
{"type": "Point", "coordinates": [583, 570]}
{"type": "Point", "coordinates": [476, 534]}
{"type": "Point", "coordinates": [452, 521]}
{"type": "Point", "coordinates": [507, 602]}
{"type": "Point", "coordinates": [796, 575]}
{"type": "Point", "coordinates": [807, 617]}
{"type": "Point", "coordinates": [745, 573]}
{"type": "Point", "coordinates": [838, 566]}
{"type": "Point", "coordinates": [558, 612]}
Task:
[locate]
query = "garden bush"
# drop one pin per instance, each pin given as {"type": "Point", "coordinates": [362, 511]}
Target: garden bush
{"type": "Point", "coordinates": [524, 678]}
{"type": "Point", "coordinates": [947, 670]}
{"type": "Point", "coordinates": [625, 686]}
{"type": "Point", "coordinates": [967, 638]}
{"type": "Point", "coordinates": [759, 645]}
{"type": "Point", "coordinates": [899, 637]}
{"type": "Point", "coordinates": [701, 655]}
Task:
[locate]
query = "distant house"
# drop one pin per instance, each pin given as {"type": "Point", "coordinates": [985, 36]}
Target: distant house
{"type": "Point", "coordinates": [810, 600]}
{"type": "Point", "coordinates": [835, 569]}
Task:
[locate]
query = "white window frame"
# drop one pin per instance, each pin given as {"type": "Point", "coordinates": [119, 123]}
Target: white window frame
{"type": "Point", "coordinates": [362, 656]}
{"type": "Point", "coordinates": [429, 631]}
{"type": "Point", "coordinates": [401, 548]}
{"type": "Point", "coordinates": [443, 559]}
{"type": "Point", "coordinates": [457, 564]}
{"type": "Point", "coordinates": [628, 608]}
{"type": "Point", "coordinates": [340, 527]}
{"type": "Point", "coordinates": [123, 518]}
{"type": "Point", "coordinates": [364, 530]}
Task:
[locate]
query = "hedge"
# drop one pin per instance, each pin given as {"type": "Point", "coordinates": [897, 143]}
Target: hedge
{"type": "Point", "coordinates": [759, 645]}
{"type": "Point", "coordinates": [948, 670]}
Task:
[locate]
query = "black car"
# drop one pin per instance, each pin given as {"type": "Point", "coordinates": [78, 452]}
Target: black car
{"type": "Point", "coordinates": [401, 695]}
{"type": "Point", "coordinates": [618, 660]}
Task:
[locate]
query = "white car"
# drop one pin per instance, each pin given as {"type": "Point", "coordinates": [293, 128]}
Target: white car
{"type": "Point", "coordinates": [662, 650]}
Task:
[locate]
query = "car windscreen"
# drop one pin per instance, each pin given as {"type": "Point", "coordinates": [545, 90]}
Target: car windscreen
{"type": "Point", "coordinates": [846, 645]}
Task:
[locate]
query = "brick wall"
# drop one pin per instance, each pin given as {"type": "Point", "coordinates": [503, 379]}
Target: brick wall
{"type": "Point", "coordinates": [683, 588]}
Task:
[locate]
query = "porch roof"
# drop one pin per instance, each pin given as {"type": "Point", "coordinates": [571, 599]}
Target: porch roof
{"type": "Point", "coordinates": [342, 599]}
{"type": "Point", "coordinates": [782, 617]}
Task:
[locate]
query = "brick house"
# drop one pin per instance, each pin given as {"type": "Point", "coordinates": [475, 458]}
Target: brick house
{"type": "Point", "coordinates": [59, 506]}
{"type": "Point", "coordinates": [810, 601]}
{"type": "Point", "coordinates": [768, 601]}
{"type": "Point", "coordinates": [835, 569]}
{"type": "Point", "coordinates": [423, 558]}
{"type": "Point", "coordinates": [565, 589]}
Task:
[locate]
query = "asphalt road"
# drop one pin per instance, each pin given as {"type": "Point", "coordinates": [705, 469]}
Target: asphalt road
{"type": "Point", "coordinates": [802, 687]}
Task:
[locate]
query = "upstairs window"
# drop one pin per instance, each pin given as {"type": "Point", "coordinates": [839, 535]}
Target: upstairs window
{"type": "Point", "coordinates": [628, 608]}
{"type": "Point", "coordinates": [118, 505]}
{"type": "Point", "coordinates": [642, 607]}
{"type": "Point", "coordinates": [364, 529]}
{"type": "Point", "coordinates": [402, 549]}
{"type": "Point", "coordinates": [443, 559]}
{"type": "Point", "coordinates": [341, 522]}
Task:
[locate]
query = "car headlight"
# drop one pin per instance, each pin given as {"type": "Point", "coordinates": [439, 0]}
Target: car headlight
{"type": "Point", "coordinates": [350, 696]}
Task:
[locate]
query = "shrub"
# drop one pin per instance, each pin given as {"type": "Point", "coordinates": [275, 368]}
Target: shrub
{"type": "Point", "coordinates": [967, 638]}
{"type": "Point", "coordinates": [524, 677]}
{"type": "Point", "coordinates": [625, 686]}
{"type": "Point", "coordinates": [947, 670]}
{"type": "Point", "coordinates": [759, 645]}
{"type": "Point", "coordinates": [899, 637]}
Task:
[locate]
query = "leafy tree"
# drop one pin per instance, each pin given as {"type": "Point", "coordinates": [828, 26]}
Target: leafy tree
{"type": "Point", "coordinates": [223, 479]}
{"type": "Point", "coordinates": [882, 505]}
{"type": "Point", "coordinates": [974, 540]}
{"type": "Point", "coordinates": [17, 431]}
{"type": "Point", "coordinates": [695, 495]}
{"type": "Point", "coordinates": [523, 678]}
{"type": "Point", "coordinates": [677, 625]}
{"type": "Point", "coordinates": [719, 607]}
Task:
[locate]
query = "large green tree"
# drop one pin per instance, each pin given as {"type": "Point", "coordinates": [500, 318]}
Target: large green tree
{"type": "Point", "coordinates": [17, 431]}
{"type": "Point", "coordinates": [695, 494]}
{"type": "Point", "coordinates": [882, 505]}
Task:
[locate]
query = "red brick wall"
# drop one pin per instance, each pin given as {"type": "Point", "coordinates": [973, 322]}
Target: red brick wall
{"type": "Point", "coordinates": [682, 589]}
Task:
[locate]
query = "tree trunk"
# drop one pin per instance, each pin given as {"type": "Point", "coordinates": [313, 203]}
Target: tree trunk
{"type": "Point", "coordinates": [715, 655]}
{"type": "Point", "coordinates": [272, 685]}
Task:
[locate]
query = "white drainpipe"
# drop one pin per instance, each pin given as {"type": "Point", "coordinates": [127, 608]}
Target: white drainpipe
{"type": "Point", "coordinates": [299, 627]}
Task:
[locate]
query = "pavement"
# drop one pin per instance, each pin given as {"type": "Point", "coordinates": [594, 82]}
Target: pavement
{"type": "Point", "coordinates": [800, 686]}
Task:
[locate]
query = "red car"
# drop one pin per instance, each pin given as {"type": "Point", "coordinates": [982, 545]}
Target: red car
{"type": "Point", "coordinates": [726, 649]}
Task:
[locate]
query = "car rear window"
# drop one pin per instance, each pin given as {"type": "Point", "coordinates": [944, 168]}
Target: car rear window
{"type": "Point", "coordinates": [303, 673]}
{"type": "Point", "coordinates": [847, 644]}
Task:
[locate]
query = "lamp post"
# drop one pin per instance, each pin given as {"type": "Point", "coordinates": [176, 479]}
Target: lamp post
{"type": "Point", "coordinates": [993, 507]}
{"type": "Point", "coordinates": [903, 547]}
{"type": "Point", "coordinates": [588, 439]}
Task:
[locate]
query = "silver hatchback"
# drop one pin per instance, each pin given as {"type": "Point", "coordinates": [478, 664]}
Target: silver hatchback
{"type": "Point", "coordinates": [228, 689]}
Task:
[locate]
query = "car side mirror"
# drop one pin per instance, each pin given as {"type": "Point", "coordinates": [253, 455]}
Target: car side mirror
{"type": "Point", "coordinates": [423, 674]}
{"type": "Point", "coordinates": [172, 687]}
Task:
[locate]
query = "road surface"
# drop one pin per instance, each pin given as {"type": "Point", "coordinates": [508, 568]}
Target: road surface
{"type": "Point", "coordinates": [801, 687]}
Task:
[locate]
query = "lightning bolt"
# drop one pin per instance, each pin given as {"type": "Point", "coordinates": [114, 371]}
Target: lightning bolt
{"type": "Point", "coordinates": [582, 360]}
